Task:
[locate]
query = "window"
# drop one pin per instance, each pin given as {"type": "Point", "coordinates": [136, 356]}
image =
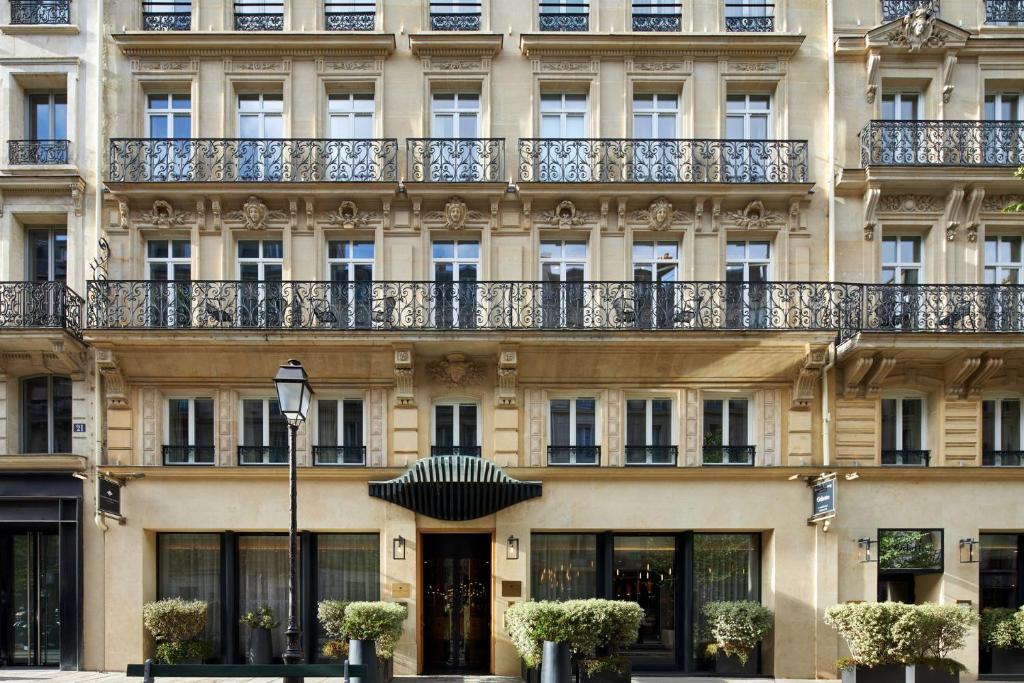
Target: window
{"type": "Point", "coordinates": [748, 124]}
{"type": "Point", "coordinates": [1002, 138]}
{"type": "Point", "coordinates": [563, 566]}
{"type": "Point", "coordinates": [455, 153]}
{"type": "Point", "coordinates": [456, 264]}
{"type": "Point", "coordinates": [564, 15]}
{"type": "Point", "coordinates": [657, 15]}
{"type": "Point", "coordinates": [727, 432]}
{"type": "Point", "coordinates": [340, 433]}
{"type": "Point", "coordinates": [455, 115]}
{"type": "Point", "coordinates": [655, 148]}
{"type": "Point", "coordinates": [347, 569]}
{"type": "Point", "coordinates": [262, 582]}
{"type": "Point", "coordinates": [264, 433]}
{"type": "Point", "coordinates": [169, 127]}
{"type": "Point", "coordinates": [261, 127]}
{"type": "Point", "coordinates": [747, 274]}
{"type": "Point", "coordinates": [1004, 265]}
{"type": "Point", "coordinates": [1001, 566]}
{"type": "Point", "coordinates": [358, 15]}
{"type": "Point", "coordinates": [456, 430]}
{"type": "Point", "coordinates": [189, 567]}
{"type": "Point", "coordinates": [655, 274]}
{"type": "Point", "coordinates": [351, 115]}
{"type": "Point", "coordinates": [903, 432]}
{"type": "Point", "coordinates": [901, 106]}
{"type": "Point", "coordinates": [46, 414]}
{"type": "Point", "coordinates": [573, 432]}
{"type": "Point", "coordinates": [561, 154]}
{"type": "Point", "coordinates": [1002, 422]}
{"type": "Point", "coordinates": [350, 297]}
{"type": "Point", "coordinates": [726, 567]}
{"type": "Point", "coordinates": [649, 432]}
{"type": "Point", "coordinates": [563, 270]}
{"type": "Point", "coordinates": [646, 573]}
{"type": "Point", "coordinates": [259, 15]}
{"type": "Point", "coordinates": [188, 432]}
{"type": "Point", "coordinates": [917, 551]}
{"type": "Point", "coordinates": [455, 15]}
{"type": "Point", "coordinates": [47, 129]}
{"type": "Point", "coordinates": [260, 297]}
{"type": "Point", "coordinates": [48, 255]}
{"type": "Point", "coordinates": [166, 15]}
{"type": "Point", "coordinates": [901, 261]}
{"type": "Point", "coordinates": [169, 291]}
{"type": "Point", "coordinates": [563, 115]}
{"type": "Point", "coordinates": [750, 15]}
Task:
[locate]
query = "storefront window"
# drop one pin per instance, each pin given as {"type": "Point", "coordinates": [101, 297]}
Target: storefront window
{"type": "Point", "coordinates": [645, 572]}
{"type": "Point", "coordinates": [263, 582]}
{"type": "Point", "coordinates": [725, 567]}
{"type": "Point", "coordinates": [999, 570]}
{"type": "Point", "coordinates": [189, 568]}
{"type": "Point", "coordinates": [348, 568]}
{"type": "Point", "coordinates": [563, 566]}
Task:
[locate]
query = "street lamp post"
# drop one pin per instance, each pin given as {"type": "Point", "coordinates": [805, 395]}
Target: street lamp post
{"type": "Point", "coordinates": [293, 397]}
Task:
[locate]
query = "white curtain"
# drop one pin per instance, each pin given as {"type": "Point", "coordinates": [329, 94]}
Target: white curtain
{"type": "Point", "coordinates": [189, 568]}
{"type": "Point", "coordinates": [263, 581]}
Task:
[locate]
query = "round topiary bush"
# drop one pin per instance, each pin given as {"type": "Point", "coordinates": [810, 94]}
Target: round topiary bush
{"type": "Point", "coordinates": [735, 628]}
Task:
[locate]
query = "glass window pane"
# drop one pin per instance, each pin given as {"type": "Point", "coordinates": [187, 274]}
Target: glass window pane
{"type": "Point", "coordinates": [352, 425]}
{"type": "Point", "coordinates": [444, 426]}
{"type": "Point", "coordinates": [203, 421]}
{"type": "Point", "coordinates": [177, 422]}
{"type": "Point", "coordinates": [560, 422]}
{"type": "Point", "coordinates": [644, 571]}
{"type": "Point", "coordinates": [1010, 423]}
{"type": "Point", "coordinates": [738, 424]}
{"type": "Point", "coordinates": [327, 423]}
{"type": "Point", "coordinates": [726, 567]}
{"type": "Point", "coordinates": [988, 426]}
{"type": "Point", "coordinates": [636, 423]}
{"type": "Point", "coordinates": [61, 415]}
{"type": "Point", "coordinates": [263, 581]}
{"type": "Point", "coordinates": [661, 422]}
{"type": "Point", "coordinates": [889, 424]}
{"type": "Point", "coordinates": [586, 428]}
{"type": "Point", "coordinates": [713, 423]}
{"type": "Point", "coordinates": [912, 424]}
{"type": "Point", "coordinates": [467, 425]}
{"type": "Point", "coordinates": [563, 566]}
{"type": "Point", "coordinates": [348, 569]}
{"type": "Point", "coordinates": [189, 567]}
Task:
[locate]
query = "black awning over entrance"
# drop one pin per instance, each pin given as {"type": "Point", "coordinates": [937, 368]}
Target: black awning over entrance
{"type": "Point", "coordinates": [455, 488]}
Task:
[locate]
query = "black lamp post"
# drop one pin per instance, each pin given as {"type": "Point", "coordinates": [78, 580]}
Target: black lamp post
{"type": "Point", "coordinates": [293, 397]}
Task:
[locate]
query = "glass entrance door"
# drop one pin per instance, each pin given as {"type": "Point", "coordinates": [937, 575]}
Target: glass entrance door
{"type": "Point", "coordinates": [645, 572]}
{"type": "Point", "coordinates": [30, 599]}
{"type": "Point", "coordinates": [457, 603]}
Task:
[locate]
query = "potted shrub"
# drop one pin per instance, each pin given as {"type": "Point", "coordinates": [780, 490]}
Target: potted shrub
{"type": "Point", "coordinates": [261, 624]}
{"type": "Point", "coordinates": [734, 631]}
{"type": "Point", "coordinates": [373, 630]}
{"type": "Point", "coordinates": [331, 614]}
{"type": "Point", "coordinates": [176, 624]}
{"type": "Point", "coordinates": [1002, 635]}
{"type": "Point", "coordinates": [598, 632]}
{"type": "Point", "coordinates": [539, 631]}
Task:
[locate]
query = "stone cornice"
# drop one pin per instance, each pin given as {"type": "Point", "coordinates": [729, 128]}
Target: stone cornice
{"type": "Point", "coordinates": [996, 179]}
{"type": "Point", "coordinates": [665, 45]}
{"type": "Point", "coordinates": [855, 46]}
{"type": "Point", "coordinates": [242, 44]}
{"type": "Point", "coordinates": [41, 184]}
{"type": "Point", "coordinates": [43, 463]}
{"type": "Point", "coordinates": [455, 45]}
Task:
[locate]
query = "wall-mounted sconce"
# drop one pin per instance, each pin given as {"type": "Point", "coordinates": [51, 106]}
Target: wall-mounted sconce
{"type": "Point", "coordinates": [967, 550]}
{"type": "Point", "coordinates": [398, 548]}
{"type": "Point", "coordinates": [865, 549]}
{"type": "Point", "coordinates": [512, 548]}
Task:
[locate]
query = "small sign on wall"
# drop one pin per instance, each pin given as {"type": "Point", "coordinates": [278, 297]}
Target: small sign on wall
{"type": "Point", "coordinates": [110, 497]}
{"type": "Point", "coordinates": [400, 590]}
{"type": "Point", "coordinates": [78, 427]}
{"type": "Point", "coordinates": [511, 589]}
{"type": "Point", "coordinates": [823, 498]}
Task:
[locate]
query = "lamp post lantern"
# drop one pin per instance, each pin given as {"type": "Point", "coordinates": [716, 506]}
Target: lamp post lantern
{"type": "Point", "coordinates": [293, 397]}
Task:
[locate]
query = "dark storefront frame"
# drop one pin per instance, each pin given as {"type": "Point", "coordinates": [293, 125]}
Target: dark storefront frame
{"type": "Point", "coordinates": [1015, 601]}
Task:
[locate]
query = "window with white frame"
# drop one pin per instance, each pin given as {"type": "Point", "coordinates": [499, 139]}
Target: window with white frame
{"type": "Point", "coordinates": [727, 432]}
{"type": "Point", "coordinates": [169, 291]}
{"type": "Point", "coordinates": [1002, 139]}
{"type": "Point", "coordinates": [455, 268]}
{"type": "Point", "coordinates": [350, 155]}
{"type": "Point", "coordinates": [748, 123]}
{"type": "Point", "coordinates": [188, 432]}
{"type": "Point", "coordinates": [655, 272]}
{"type": "Point", "coordinates": [901, 106]}
{"type": "Point", "coordinates": [169, 127]}
{"type": "Point", "coordinates": [48, 116]}
{"type": "Point", "coordinates": [456, 429]}
{"type": "Point", "coordinates": [563, 115]}
{"type": "Point", "coordinates": [572, 432]}
{"type": "Point", "coordinates": [350, 115]}
{"type": "Point", "coordinates": [902, 263]}
{"type": "Point", "coordinates": [340, 432]}
{"type": "Point", "coordinates": [1002, 422]}
{"type": "Point", "coordinates": [904, 431]}
{"type": "Point", "coordinates": [455, 153]}
{"type": "Point", "coordinates": [655, 153]}
{"type": "Point", "coordinates": [747, 275]}
{"type": "Point", "coordinates": [260, 268]}
{"type": "Point", "coordinates": [1004, 261]}
{"type": "Point", "coordinates": [562, 154]}
{"type": "Point", "coordinates": [261, 152]}
{"type": "Point", "coordinates": [264, 437]}
{"type": "Point", "coordinates": [46, 414]}
{"type": "Point", "coordinates": [649, 433]}
{"type": "Point", "coordinates": [563, 271]}
{"type": "Point", "coordinates": [350, 298]}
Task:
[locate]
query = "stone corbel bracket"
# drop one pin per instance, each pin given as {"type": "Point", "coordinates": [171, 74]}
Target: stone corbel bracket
{"type": "Point", "coordinates": [508, 378]}
{"type": "Point", "coordinates": [873, 77]}
{"type": "Point", "coordinates": [807, 379]}
{"type": "Point", "coordinates": [405, 390]}
{"type": "Point", "coordinates": [951, 216]}
{"type": "Point", "coordinates": [972, 211]}
{"type": "Point", "coordinates": [863, 376]}
{"type": "Point", "coordinates": [871, 197]}
{"type": "Point", "coordinates": [114, 383]}
{"type": "Point", "coordinates": [966, 378]}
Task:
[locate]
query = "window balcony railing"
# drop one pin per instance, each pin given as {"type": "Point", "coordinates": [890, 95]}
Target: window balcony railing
{"type": "Point", "coordinates": [651, 455]}
{"type": "Point", "coordinates": [1004, 12]}
{"type": "Point", "coordinates": [942, 143]}
{"type": "Point", "coordinates": [568, 160]}
{"type": "Point", "coordinates": [262, 455]}
{"type": "Point", "coordinates": [160, 15]}
{"type": "Point", "coordinates": [729, 455]}
{"type": "Point", "coordinates": [188, 455]}
{"type": "Point", "coordinates": [754, 16]}
{"type": "Point", "coordinates": [40, 12]}
{"type": "Point", "coordinates": [339, 455]}
{"type": "Point", "coordinates": [906, 458]}
{"type": "Point", "coordinates": [27, 305]}
{"type": "Point", "coordinates": [455, 15]}
{"type": "Point", "coordinates": [208, 160]}
{"type": "Point", "coordinates": [467, 306]}
{"type": "Point", "coordinates": [657, 16]}
{"type": "Point", "coordinates": [564, 15]}
{"type": "Point", "coordinates": [574, 455]}
{"type": "Point", "coordinates": [455, 160]}
{"type": "Point", "coordinates": [350, 16]}
{"type": "Point", "coordinates": [943, 308]}
{"type": "Point", "coordinates": [259, 16]}
{"type": "Point", "coordinates": [1002, 459]}
{"type": "Point", "coordinates": [897, 9]}
{"type": "Point", "coordinates": [37, 152]}
{"type": "Point", "coordinates": [441, 451]}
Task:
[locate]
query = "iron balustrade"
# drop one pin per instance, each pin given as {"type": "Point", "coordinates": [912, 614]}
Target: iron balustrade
{"type": "Point", "coordinates": [942, 143]}
{"type": "Point", "coordinates": [651, 455]}
{"type": "Point", "coordinates": [270, 16]}
{"type": "Point", "coordinates": [563, 15]}
{"type": "Point", "coordinates": [188, 455]}
{"type": "Point", "coordinates": [754, 16]}
{"type": "Point", "coordinates": [351, 456]}
{"type": "Point", "coordinates": [166, 15]}
{"type": "Point", "coordinates": [38, 152]}
{"type": "Point", "coordinates": [574, 455]}
{"type": "Point", "coordinates": [896, 9]}
{"type": "Point", "coordinates": [1004, 12]}
{"type": "Point", "coordinates": [943, 308]}
{"type": "Point", "coordinates": [906, 458]}
{"type": "Point", "coordinates": [27, 305]}
{"type": "Point", "coordinates": [455, 451]}
{"type": "Point", "coordinates": [209, 160]}
{"type": "Point", "coordinates": [262, 455]}
{"type": "Point", "coordinates": [607, 160]}
{"type": "Point", "coordinates": [657, 15]}
{"type": "Point", "coordinates": [1002, 459]}
{"type": "Point", "coordinates": [455, 15]}
{"type": "Point", "coordinates": [350, 16]}
{"type": "Point", "coordinates": [455, 160]}
{"type": "Point", "coordinates": [40, 12]}
{"type": "Point", "coordinates": [729, 455]}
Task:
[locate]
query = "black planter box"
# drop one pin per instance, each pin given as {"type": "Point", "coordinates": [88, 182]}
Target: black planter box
{"type": "Point", "coordinates": [730, 665]}
{"type": "Point", "coordinates": [922, 674]}
{"type": "Point", "coordinates": [529, 675]}
{"type": "Point", "coordinates": [898, 673]}
{"type": "Point", "coordinates": [1008, 661]}
{"type": "Point", "coordinates": [385, 670]}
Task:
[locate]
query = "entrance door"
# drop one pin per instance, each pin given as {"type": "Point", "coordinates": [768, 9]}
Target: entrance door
{"type": "Point", "coordinates": [30, 599]}
{"type": "Point", "coordinates": [456, 603]}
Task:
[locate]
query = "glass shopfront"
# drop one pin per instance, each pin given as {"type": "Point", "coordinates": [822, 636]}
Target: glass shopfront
{"type": "Point", "coordinates": [1001, 575]}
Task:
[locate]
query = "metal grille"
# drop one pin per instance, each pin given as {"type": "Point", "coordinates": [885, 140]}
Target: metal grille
{"type": "Point", "coordinates": [455, 15]}
{"type": "Point", "coordinates": [350, 16]}
{"type": "Point", "coordinates": [339, 455]}
{"type": "Point", "coordinates": [40, 305]}
{"type": "Point", "coordinates": [1006, 12]}
{"type": "Point", "coordinates": [749, 15]}
{"type": "Point", "coordinates": [651, 455]}
{"type": "Point", "coordinates": [942, 143]}
{"type": "Point", "coordinates": [559, 15]}
{"type": "Point", "coordinates": [896, 9]}
{"type": "Point", "coordinates": [906, 458]}
{"type": "Point", "coordinates": [729, 455]}
{"type": "Point", "coordinates": [657, 16]}
{"type": "Point", "coordinates": [160, 15]}
{"type": "Point", "coordinates": [455, 160]}
{"type": "Point", "coordinates": [41, 152]}
{"type": "Point", "coordinates": [28, 12]}
{"type": "Point", "coordinates": [256, 15]}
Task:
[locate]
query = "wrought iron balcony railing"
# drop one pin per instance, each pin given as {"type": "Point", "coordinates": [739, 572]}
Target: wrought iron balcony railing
{"type": "Point", "coordinates": [455, 15]}
{"type": "Point", "coordinates": [755, 16]}
{"type": "Point", "coordinates": [36, 12]}
{"type": "Point", "coordinates": [1004, 12]}
{"type": "Point", "coordinates": [651, 455]}
{"type": "Point", "coordinates": [906, 458]}
{"type": "Point", "coordinates": [339, 455]}
{"type": "Point", "coordinates": [160, 15]}
{"type": "Point", "coordinates": [27, 305]}
{"type": "Point", "coordinates": [729, 455]}
{"type": "Point", "coordinates": [574, 455]}
{"type": "Point", "coordinates": [567, 160]}
{"type": "Point", "coordinates": [896, 9]}
{"type": "Point", "coordinates": [942, 143]}
{"type": "Point", "coordinates": [37, 152]}
{"type": "Point", "coordinates": [404, 306]}
{"type": "Point", "coordinates": [210, 160]}
{"type": "Point", "coordinates": [1002, 459]}
{"type": "Point", "coordinates": [445, 451]}
{"type": "Point", "coordinates": [943, 308]}
{"type": "Point", "coordinates": [657, 16]}
{"type": "Point", "coordinates": [455, 160]}
{"type": "Point", "coordinates": [188, 455]}
{"type": "Point", "coordinates": [262, 455]}
{"type": "Point", "coordinates": [564, 15]}
{"type": "Point", "coordinates": [360, 15]}
{"type": "Point", "coordinates": [246, 19]}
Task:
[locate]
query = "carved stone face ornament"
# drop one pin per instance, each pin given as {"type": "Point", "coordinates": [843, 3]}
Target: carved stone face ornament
{"type": "Point", "coordinates": [254, 213]}
{"type": "Point", "coordinates": [455, 214]}
{"type": "Point", "coordinates": [660, 215]}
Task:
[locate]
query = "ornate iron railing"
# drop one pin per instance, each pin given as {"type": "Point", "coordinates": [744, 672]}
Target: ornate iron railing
{"type": "Point", "coordinates": [262, 455]}
{"type": "Point", "coordinates": [26, 305]}
{"type": "Point", "coordinates": [1006, 12]}
{"type": "Point", "coordinates": [574, 455]}
{"type": "Point", "coordinates": [455, 160]}
{"type": "Point", "coordinates": [160, 15]}
{"type": "Point", "coordinates": [403, 306]}
{"type": "Point", "coordinates": [755, 16]}
{"type": "Point", "coordinates": [651, 455]}
{"type": "Point", "coordinates": [942, 143]}
{"type": "Point", "coordinates": [360, 15]}
{"type": "Point", "coordinates": [896, 9]}
{"type": "Point", "coordinates": [450, 451]}
{"type": "Point", "coordinates": [657, 15]}
{"type": "Point", "coordinates": [943, 308]}
{"type": "Point", "coordinates": [41, 152]}
{"type": "Point", "coordinates": [605, 160]}
{"type": "Point", "coordinates": [188, 455]}
{"type": "Point", "coordinates": [729, 455]}
{"type": "Point", "coordinates": [351, 456]}
{"type": "Point", "coordinates": [465, 18]}
{"type": "Point", "coordinates": [1002, 459]}
{"type": "Point", "coordinates": [263, 20]}
{"type": "Point", "coordinates": [562, 15]}
{"type": "Point", "coordinates": [205, 160]}
{"type": "Point", "coordinates": [906, 458]}
{"type": "Point", "coordinates": [32, 12]}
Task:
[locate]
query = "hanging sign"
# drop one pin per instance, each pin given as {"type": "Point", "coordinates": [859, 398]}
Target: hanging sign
{"type": "Point", "coordinates": [110, 497]}
{"type": "Point", "coordinates": [823, 498]}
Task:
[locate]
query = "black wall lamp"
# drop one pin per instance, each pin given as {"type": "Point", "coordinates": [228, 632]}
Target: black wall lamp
{"type": "Point", "coordinates": [398, 548]}
{"type": "Point", "coordinates": [865, 549]}
{"type": "Point", "coordinates": [512, 548]}
{"type": "Point", "coordinates": [967, 550]}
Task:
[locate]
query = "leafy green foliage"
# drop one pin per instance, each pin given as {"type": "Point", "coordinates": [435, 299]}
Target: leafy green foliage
{"type": "Point", "coordinates": [331, 614]}
{"type": "Point", "coordinates": [588, 626]}
{"type": "Point", "coordinates": [381, 622]}
{"type": "Point", "coordinates": [1002, 628]}
{"type": "Point", "coordinates": [595, 666]}
{"type": "Point", "coordinates": [175, 620]}
{"type": "Point", "coordinates": [735, 628]}
{"type": "Point", "coordinates": [262, 617]}
{"type": "Point", "coordinates": [908, 549]}
{"type": "Point", "coordinates": [183, 652]}
{"type": "Point", "coordinates": [1019, 207]}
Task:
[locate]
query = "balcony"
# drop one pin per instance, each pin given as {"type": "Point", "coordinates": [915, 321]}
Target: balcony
{"type": "Point", "coordinates": [718, 456]}
{"type": "Point", "coordinates": [454, 160]}
{"type": "Point", "coordinates": [37, 152]}
{"type": "Point", "coordinates": [942, 143]}
{"type": "Point", "coordinates": [188, 455]}
{"type": "Point", "coordinates": [1002, 459]}
{"type": "Point", "coordinates": [657, 16]}
{"type": "Point", "coordinates": [209, 160]}
{"type": "Point", "coordinates": [350, 16]}
{"type": "Point", "coordinates": [455, 15]}
{"type": "Point", "coordinates": [564, 15]}
{"type": "Point", "coordinates": [651, 455]}
{"type": "Point", "coordinates": [40, 12]}
{"type": "Point", "coordinates": [259, 15]}
{"type": "Point", "coordinates": [160, 15]}
{"type": "Point", "coordinates": [897, 9]}
{"type": "Point", "coordinates": [444, 451]}
{"type": "Point", "coordinates": [472, 306]}
{"type": "Point", "coordinates": [262, 455]}
{"type": "Point", "coordinates": [943, 308]}
{"type": "Point", "coordinates": [662, 161]}
{"type": "Point", "coordinates": [332, 456]}
{"type": "Point", "coordinates": [29, 305]}
{"type": "Point", "coordinates": [906, 458]}
{"type": "Point", "coordinates": [750, 16]}
{"type": "Point", "coordinates": [574, 455]}
{"type": "Point", "coordinates": [1004, 12]}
